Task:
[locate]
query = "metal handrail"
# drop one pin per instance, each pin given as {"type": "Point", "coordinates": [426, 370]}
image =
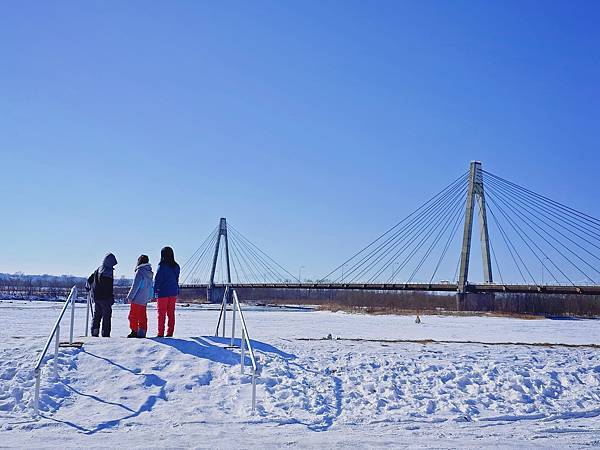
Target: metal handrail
{"type": "Point", "coordinates": [223, 314]}
{"type": "Point", "coordinates": [245, 339]}
{"type": "Point", "coordinates": [55, 333]}
{"type": "Point", "coordinates": [245, 331]}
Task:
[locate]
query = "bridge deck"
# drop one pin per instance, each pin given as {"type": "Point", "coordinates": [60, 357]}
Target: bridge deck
{"type": "Point", "coordinates": [434, 287]}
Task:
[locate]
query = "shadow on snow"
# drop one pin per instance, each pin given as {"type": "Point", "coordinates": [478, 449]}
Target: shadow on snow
{"type": "Point", "coordinates": [205, 347]}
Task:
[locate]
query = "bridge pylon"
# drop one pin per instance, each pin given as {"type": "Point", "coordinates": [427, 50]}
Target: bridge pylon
{"type": "Point", "coordinates": [214, 295]}
{"type": "Point", "coordinates": [475, 191]}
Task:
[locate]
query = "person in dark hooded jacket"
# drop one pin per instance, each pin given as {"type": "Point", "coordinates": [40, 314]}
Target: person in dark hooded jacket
{"type": "Point", "coordinates": [166, 288]}
{"type": "Point", "coordinates": [100, 286]}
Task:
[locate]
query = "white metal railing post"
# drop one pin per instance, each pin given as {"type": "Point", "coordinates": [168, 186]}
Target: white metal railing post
{"type": "Point", "coordinates": [56, 345]}
{"type": "Point", "coordinates": [73, 296]}
{"type": "Point", "coordinates": [232, 344]}
{"type": "Point", "coordinates": [253, 389]}
{"type": "Point", "coordinates": [36, 399]}
{"type": "Point", "coordinates": [87, 313]}
{"type": "Point", "coordinates": [243, 351]}
{"type": "Point", "coordinates": [224, 311]}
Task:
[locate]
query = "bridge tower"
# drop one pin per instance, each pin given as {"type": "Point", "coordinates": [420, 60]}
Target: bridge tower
{"type": "Point", "coordinates": [474, 191]}
{"type": "Point", "coordinates": [214, 295]}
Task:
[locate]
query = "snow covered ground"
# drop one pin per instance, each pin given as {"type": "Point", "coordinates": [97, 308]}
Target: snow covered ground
{"type": "Point", "coordinates": [188, 391]}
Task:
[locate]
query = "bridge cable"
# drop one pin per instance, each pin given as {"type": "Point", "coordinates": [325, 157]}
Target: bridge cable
{"type": "Point", "coordinates": [510, 246]}
{"type": "Point", "coordinates": [401, 233]}
{"type": "Point", "coordinates": [426, 216]}
{"type": "Point", "coordinates": [265, 255]}
{"type": "Point", "coordinates": [565, 218]}
{"type": "Point", "coordinates": [367, 262]}
{"type": "Point", "coordinates": [447, 246]}
{"type": "Point", "coordinates": [520, 232]}
{"type": "Point", "coordinates": [264, 263]}
{"type": "Point", "coordinates": [528, 221]}
{"type": "Point", "coordinates": [524, 218]}
{"type": "Point", "coordinates": [261, 263]}
{"type": "Point", "coordinates": [458, 201]}
{"type": "Point", "coordinates": [592, 221]}
{"type": "Point", "coordinates": [193, 268]}
{"type": "Point", "coordinates": [548, 215]}
{"type": "Point", "coordinates": [236, 257]}
{"type": "Point", "coordinates": [433, 223]}
{"type": "Point", "coordinates": [451, 218]}
{"type": "Point", "coordinates": [190, 261]}
{"type": "Point", "coordinates": [248, 264]}
{"type": "Point", "coordinates": [386, 233]}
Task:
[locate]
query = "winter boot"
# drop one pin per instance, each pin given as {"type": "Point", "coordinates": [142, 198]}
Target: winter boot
{"type": "Point", "coordinates": [132, 334]}
{"type": "Point", "coordinates": [95, 332]}
{"type": "Point", "coordinates": [141, 333]}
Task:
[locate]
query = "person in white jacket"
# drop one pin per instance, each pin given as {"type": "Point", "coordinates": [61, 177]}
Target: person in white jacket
{"type": "Point", "coordinates": [138, 297]}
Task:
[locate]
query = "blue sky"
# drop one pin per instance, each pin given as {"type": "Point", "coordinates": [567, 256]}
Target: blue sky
{"type": "Point", "coordinates": [312, 126]}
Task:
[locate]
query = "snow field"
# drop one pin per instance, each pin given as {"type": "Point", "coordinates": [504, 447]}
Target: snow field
{"type": "Point", "coordinates": [188, 391]}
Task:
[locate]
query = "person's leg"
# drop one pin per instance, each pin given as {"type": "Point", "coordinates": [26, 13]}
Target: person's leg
{"type": "Point", "coordinates": [171, 315]}
{"type": "Point", "coordinates": [96, 319]}
{"type": "Point", "coordinates": [161, 306]}
{"type": "Point", "coordinates": [142, 321]}
{"type": "Point", "coordinates": [133, 320]}
{"type": "Point", "coordinates": [106, 319]}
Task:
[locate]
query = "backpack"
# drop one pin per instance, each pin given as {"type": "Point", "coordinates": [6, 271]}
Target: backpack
{"type": "Point", "coordinates": [92, 282]}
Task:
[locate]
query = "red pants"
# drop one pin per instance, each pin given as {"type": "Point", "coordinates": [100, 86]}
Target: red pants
{"type": "Point", "coordinates": [166, 306]}
{"type": "Point", "coordinates": [138, 320]}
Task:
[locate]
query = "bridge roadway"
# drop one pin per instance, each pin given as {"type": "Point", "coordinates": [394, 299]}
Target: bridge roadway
{"type": "Point", "coordinates": [433, 287]}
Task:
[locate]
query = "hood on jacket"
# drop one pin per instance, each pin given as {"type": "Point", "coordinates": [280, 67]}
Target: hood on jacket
{"type": "Point", "coordinates": [147, 267]}
{"type": "Point", "coordinates": [108, 265]}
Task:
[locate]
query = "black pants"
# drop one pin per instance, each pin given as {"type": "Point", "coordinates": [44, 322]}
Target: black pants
{"type": "Point", "coordinates": [102, 312]}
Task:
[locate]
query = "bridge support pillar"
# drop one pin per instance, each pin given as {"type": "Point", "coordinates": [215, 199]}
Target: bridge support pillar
{"type": "Point", "coordinates": [474, 191]}
{"type": "Point", "coordinates": [216, 295]}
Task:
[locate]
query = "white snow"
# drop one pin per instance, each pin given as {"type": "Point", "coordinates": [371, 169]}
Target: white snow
{"type": "Point", "coordinates": [188, 391]}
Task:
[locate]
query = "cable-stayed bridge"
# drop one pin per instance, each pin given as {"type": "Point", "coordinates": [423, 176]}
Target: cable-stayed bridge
{"type": "Point", "coordinates": [528, 243]}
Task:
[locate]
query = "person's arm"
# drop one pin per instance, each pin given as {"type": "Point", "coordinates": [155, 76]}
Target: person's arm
{"type": "Point", "coordinates": [135, 286]}
{"type": "Point", "coordinates": [158, 282]}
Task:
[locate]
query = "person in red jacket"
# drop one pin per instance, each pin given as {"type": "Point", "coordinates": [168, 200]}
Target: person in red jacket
{"type": "Point", "coordinates": [166, 288]}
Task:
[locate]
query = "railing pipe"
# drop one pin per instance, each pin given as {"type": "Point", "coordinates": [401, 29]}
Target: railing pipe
{"type": "Point", "coordinates": [232, 344]}
{"type": "Point", "coordinates": [87, 314]}
{"type": "Point", "coordinates": [36, 399]}
{"type": "Point", "coordinates": [253, 390]}
{"type": "Point", "coordinates": [246, 341]}
{"type": "Point", "coordinates": [221, 314]}
{"type": "Point", "coordinates": [72, 297]}
{"type": "Point", "coordinates": [56, 345]}
{"type": "Point", "coordinates": [224, 311]}
{"type": "Point", "coordinates": [242, 352]}
{"type": "Point", "coordinates": [38, 366]}
{"type": "Point", "coordinates": [245, 330]}
{"type": "Point", "coordinates": [56, 324]}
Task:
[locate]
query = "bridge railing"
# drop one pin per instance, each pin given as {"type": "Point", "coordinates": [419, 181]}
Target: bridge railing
{"type": "Point", "coordinates": [54, 334]}
{"type": "Point", "coordinates": [245, 341]}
